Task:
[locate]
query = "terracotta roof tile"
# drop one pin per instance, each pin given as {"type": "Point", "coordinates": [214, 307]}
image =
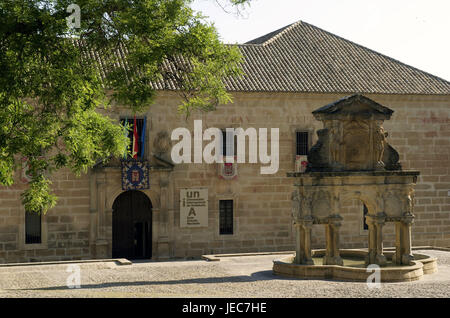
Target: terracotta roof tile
{"type": "Point", "coordinates": [303, 58]}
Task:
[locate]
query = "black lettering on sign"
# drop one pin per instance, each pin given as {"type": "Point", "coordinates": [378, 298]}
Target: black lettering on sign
{"type": "Point", "coordinates": [193, 194]}
{"type": "Point", "coordinates": [192, 212]}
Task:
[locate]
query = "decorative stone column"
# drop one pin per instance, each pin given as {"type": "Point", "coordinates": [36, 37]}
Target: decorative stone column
{"type": "Point", "coordinates": [332, 255]}
{"type": "Point", "coordinates": [163, 251]}
{"type": "Point", "coordinates": [397, 257]}
{"type": "Point", "coordinates": [372, 239]}
{"type": "Point", "coordinates": [328, 258]}
{"type": "Point", "coordinates": [375, 224]}
{"type": "Point", "coordinates": [101, 244]}
{"type": "Point", "coordinates": [298, 244]}
{"type": "Point", "coordinates": [303, 241]}
{"type": "Point", "coordinates": [307, 238]}
{"type": "Point", "coordinates": [403, 251]}
{"type": "Point", "coordinates": [380, 259]}
{"type": "Point", "coordinates": [407, 256]}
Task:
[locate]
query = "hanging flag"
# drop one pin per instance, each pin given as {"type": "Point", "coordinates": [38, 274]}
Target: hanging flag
{"type": "Point", "coordinates": [125, 132]}
{"type": "Point", "coordinates": [135, 140]}
{"type": "Point", "coordinates": [143, 138]}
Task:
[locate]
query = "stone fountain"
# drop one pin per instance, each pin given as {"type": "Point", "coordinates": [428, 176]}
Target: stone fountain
{"type": "Point", "coordinates": [352, 159]}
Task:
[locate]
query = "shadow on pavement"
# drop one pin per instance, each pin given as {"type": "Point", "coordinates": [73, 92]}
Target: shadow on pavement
{"type": "Point", "coordinates": [257, 276]}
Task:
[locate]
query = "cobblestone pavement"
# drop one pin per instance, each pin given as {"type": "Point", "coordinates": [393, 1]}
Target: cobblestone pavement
{"type": "Point", "coordinates": [243, 276]}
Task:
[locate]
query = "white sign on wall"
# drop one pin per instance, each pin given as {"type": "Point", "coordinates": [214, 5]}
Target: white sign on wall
{"type": "Point", "coordinates": [194, 207]}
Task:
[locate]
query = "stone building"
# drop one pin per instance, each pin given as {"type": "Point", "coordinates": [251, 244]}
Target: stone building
{"type": "Point", "coordinates": [289, 73]}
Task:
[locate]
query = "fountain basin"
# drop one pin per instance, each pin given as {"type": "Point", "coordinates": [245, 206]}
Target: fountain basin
{"type": "Point", "coordinates": [354, 268]}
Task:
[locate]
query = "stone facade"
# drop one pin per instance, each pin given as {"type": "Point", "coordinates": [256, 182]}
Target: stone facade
{"type": "Point", "coordinates": [80, 226]}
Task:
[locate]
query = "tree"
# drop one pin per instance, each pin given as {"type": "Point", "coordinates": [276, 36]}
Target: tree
{"type": "Point", "coordinates": [51, 85]}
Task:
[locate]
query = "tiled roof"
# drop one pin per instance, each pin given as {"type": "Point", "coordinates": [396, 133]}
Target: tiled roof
{"type": "Point", "coordinates": [303, 58]}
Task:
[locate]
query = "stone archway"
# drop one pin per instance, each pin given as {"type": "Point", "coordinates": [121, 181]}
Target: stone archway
{"type": "Point", "coordinates": [106, 188]}
{"type": "Point", "coordinates": [132, 226]}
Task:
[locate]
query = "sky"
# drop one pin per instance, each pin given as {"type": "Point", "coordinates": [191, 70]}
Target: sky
{"type": "Point", "coordinates": [415, 32]}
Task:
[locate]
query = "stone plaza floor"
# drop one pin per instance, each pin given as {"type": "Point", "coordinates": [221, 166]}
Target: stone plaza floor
{"type": "Point", "coordinates": [231, 277]}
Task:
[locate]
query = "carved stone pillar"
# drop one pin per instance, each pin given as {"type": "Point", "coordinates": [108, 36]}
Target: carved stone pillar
{"type": "Point", "coordinates": [375, 224]}
{"type": "Point", "coordinates": [303, 241]}
{"type": "Point", "coordinates": [298, 244]}
{"type": "Point", "coordinates": [328, 245]}
{"type": "Point", "coordinates": [335, 226]}
{"type": "Point", "coordinates": [307, 246]}
{"type": "Point", "coordinates": [101, 244]}
{"type": "Point", "coordinates": [372, 244]}
{"type": "Point", "coordinates": [332, 255]}
{"type": "Point", "coordinates": [163, 233]}
{"type": "Point", "coordinates": [397, 257]}
{"type": "Point", "coordinates": [407, 256]}
{"type": "Point", "coordinates": [380, 259]}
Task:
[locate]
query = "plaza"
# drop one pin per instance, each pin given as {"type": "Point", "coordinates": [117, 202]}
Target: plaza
{"type": "Point", "coordinates": [239, 276]}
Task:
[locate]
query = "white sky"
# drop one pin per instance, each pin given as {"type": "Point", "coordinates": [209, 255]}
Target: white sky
{"type": "Point", "coordinates": [415, 32]}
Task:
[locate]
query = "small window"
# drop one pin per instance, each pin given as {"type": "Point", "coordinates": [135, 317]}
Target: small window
{"type": "Point", "coordinates": [32, 228]}
{"type": "Point", "coordinates": [229, 141]}
{"type": "Point", "coordinates": [365, 226]}
{"type": "Point", "coordinates": [140, 130]}
{"type": "Point", "coordinates": [226, 217]}
{"type": "Point", "coordinates": [302, 143]}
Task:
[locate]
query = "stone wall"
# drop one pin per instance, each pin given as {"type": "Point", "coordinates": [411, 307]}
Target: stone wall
{"type": "Point", "coordinates": [421, 134]}
{"type": "Point", "coordinates": [419, 130]}
{"type": "Point", "coordinates": [65, 228]}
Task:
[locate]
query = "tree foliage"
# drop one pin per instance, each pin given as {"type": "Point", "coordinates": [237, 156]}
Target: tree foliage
{"type": "Point", "coordinates": [54, 77]}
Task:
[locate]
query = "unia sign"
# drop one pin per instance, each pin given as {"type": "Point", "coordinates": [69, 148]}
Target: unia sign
{"type": "Point", "coordinates": [182, 151]}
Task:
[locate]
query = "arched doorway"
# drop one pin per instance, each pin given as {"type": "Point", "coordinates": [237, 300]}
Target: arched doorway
{"type": "Point", "coordinates": [132, 226]}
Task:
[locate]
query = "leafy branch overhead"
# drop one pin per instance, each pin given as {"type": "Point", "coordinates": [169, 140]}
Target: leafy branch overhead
{"type": "Point", "coordinates": [54, 77]}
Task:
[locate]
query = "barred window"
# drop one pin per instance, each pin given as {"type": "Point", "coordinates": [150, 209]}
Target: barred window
{"type": "Point", "coordinates": [226, 217]}
{"type": "Point", "coordinates": [302, 143]}
{"type": "Point", "coordinates": [32, 228]}
{"type": "Point", "coordinates": [140, 129]}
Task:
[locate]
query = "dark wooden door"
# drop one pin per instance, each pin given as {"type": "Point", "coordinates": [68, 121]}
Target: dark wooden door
{"type": "Point", "coordinates": [132, 226]}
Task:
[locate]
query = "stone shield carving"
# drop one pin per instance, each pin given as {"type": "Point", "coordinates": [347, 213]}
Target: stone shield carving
{"type": "Point", "coordinates": [321, 207]}
{"type": "Point", "coordinates": [393, 205]}
{"type": "Point", "coordinates": [162, 143]}
{"type": "Point", "coordinates": [357, 147]}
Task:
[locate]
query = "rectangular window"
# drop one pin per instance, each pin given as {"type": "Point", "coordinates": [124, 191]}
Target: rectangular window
{"type": "Point", "coordinates": [365, 226]}
{"type": "Point", "coordinates": [140, 129]}
{"type": "Point", "coordinates": [229, 141]}
{"type": "Point", "coordinates": [226, 217]}
{"type": "Point", "coordinates": [32, 228]}
{"type": "Point", "coordinates": [302, 143]}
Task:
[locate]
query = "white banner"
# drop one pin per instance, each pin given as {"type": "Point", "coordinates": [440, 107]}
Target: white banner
{"type": "Point", "coordinates": [194, 207]}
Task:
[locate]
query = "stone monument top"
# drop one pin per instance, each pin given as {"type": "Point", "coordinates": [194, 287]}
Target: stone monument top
{"type": "Point", "coordinates": [353, 138]}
